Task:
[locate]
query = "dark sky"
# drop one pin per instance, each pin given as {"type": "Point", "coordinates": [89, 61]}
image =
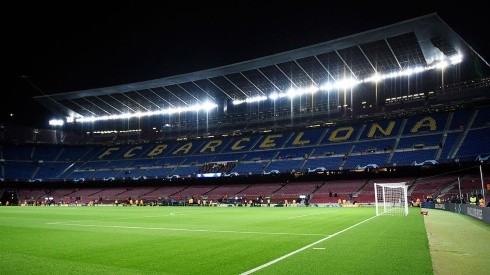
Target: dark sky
{"type": "Point", "coordinates": [61, 48]}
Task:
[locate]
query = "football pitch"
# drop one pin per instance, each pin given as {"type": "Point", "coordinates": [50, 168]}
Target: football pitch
{"type": "Point", "coordinates": [211, 240]}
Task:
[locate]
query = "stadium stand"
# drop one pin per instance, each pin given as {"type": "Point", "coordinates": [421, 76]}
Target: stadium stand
{"type": "Point", "coordinates": [409, 125]}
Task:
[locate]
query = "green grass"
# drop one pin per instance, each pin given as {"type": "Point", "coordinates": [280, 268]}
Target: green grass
{"type": "Point", "coordinates": [211, 240]}
{"type": "Point", "coordinates": [459, 243]}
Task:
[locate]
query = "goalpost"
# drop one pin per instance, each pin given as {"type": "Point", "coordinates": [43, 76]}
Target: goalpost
{"type": "Point", "coordinates": [391, 198]}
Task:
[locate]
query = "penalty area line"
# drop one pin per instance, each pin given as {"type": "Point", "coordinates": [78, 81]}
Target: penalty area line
{"type": "Point", "coordinates": [303, 248]}
{"type": "Point", "coordinates": [319, 213]}
{"type": "Point", "coordinates": [184, 229]}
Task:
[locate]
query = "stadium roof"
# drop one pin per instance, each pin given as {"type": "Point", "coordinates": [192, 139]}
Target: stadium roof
{"type": "Point", "coordinates": [417, 42]}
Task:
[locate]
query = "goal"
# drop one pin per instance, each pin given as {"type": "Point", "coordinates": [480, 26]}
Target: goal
{"type": "Point", "coordinates": [391, 199]}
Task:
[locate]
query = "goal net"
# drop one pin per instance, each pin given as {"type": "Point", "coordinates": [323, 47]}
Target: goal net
{"type": "Point", "coordinates": [391, 199]}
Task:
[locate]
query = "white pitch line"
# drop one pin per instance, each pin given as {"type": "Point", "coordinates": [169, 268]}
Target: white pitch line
{"type": "Point", "coordinates": [56, 223]}
{"type": "Point", "coordinates": [132, 217]}
{"type": "Point", "coordinates": [295, 217]}
{"type": "Point", "coordinates": [111, 219]}
{"type": "Point", "coordinates": [302, 248]}
{"type": "Point", "coordinates": [186, 230]}
{"type": "Point", "coordinates": [193, 212]}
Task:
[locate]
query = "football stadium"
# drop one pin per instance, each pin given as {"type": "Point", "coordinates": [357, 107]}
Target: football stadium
{"type": "Point", "coordinates": [355, 155]}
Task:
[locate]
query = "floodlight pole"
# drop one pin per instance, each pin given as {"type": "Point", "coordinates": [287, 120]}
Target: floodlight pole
{"type": "Point", "coordinates": [460, 195]}
{"type": "Point", "coordinates": [482, 188]}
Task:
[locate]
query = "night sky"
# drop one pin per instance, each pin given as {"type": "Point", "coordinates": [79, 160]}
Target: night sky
{"type": "Point", "coordinates": [62, 48]}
